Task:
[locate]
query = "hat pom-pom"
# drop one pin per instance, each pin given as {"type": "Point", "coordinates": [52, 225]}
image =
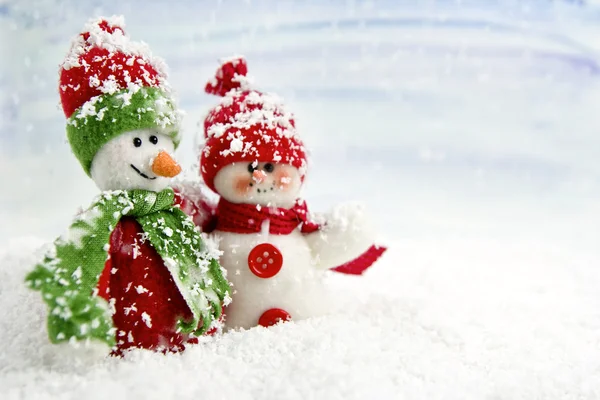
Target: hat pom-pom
{"type": "Point", "coordinates": [104, 25]}
{"type": "Point", "coordinates": [230, 75]}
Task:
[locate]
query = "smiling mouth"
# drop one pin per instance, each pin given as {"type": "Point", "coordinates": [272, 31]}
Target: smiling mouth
{"type": "Point", "coordinates": [141, 173]}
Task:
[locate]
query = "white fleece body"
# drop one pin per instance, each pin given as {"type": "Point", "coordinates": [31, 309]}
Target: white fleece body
{"type": "Point", "coordinates": [298, 288]}
{"type": "Point", "coordinates": [345, 234]}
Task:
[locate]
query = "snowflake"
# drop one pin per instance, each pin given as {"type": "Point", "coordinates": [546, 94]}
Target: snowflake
{"type": "Point", "coordinates": [147, 320]}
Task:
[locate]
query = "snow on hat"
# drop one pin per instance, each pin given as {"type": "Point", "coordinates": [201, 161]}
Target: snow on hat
{"type": "Point", "coordinates": [110, 85]}
{"type": "Point", "coordinates": [247, 125]}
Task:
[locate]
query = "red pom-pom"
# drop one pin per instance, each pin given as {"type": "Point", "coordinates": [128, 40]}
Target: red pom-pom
{"type": "Point", "coordinates": [228, 77]}
{"type": "Point", "coordinates": [106, 27]}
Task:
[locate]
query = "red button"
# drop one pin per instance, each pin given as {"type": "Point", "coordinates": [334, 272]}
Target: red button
{"type": "Point", "coordinates": [273, 316]}
{"type": "Point", "coordinates": [265, 260]}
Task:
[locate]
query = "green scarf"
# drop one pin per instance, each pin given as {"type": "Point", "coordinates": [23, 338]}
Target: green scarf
{"type": "Point", "coordinates": [69, 273]}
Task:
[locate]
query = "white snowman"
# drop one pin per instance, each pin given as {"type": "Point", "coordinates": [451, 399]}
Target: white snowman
{"type": "Point", "coordinates": [274, 253]}
{"type": "Point", "coordinates": [132, 271]}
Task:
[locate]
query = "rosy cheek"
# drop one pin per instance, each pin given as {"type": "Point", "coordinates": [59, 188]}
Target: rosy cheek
{"type": "Point", "coordinates": [242, 184]}
{"type": "Point", "coordinates": [283, 179]}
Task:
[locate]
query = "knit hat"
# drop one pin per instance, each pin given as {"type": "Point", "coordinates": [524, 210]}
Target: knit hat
{"type": "Point", "coordinates": [110, 85]}
{"type": "Point", "coordinates": [247, 125]}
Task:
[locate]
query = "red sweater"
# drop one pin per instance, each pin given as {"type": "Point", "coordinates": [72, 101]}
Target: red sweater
{"type": "Point", "coordinates": [146, 301]}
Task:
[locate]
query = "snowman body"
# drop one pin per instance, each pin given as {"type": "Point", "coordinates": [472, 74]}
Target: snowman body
{"type": "Point", "coordinates": [275, 254]}
{"type": "Point", "coordinates": [146, 303]}
{"type": "Point", "coordinates": [297, 287]}
{"type": "Point", "coordinates": [131, 271]}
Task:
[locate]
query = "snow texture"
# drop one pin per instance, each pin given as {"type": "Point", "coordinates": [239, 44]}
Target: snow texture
{"type": "Point", "coordinates": [113, 42]}
{"type": "Point", "coordinates": [257, 108]}
{"type": "Point", "coordinates": [471, 131]}
{"type": "Point", "coordinates": [516, 325]}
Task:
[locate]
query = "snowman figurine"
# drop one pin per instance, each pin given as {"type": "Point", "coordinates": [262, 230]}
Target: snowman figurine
{"type": "Point", "coordinates": [275, 254]}
{"type": "Point", "coordinates": [132, 271]}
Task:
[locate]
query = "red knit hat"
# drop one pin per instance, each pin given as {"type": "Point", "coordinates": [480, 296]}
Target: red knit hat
{"type": "Point", "coordinates": [246, 126]}
{"type": "Point", "coordinates": [109, 85]}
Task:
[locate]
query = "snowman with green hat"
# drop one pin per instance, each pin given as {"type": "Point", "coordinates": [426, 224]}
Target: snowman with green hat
{"type": "Point", "coordinates": [132, 271]}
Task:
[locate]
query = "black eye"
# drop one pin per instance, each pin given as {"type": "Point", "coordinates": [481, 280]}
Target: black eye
{"type": "Point", "coordinates": [137, 142]}
{"type": "Point", "coordinates": [251, 168]}
{"type": "Point", "coordinates": [269, 167]}
{"type": "Point", "coordinates": [153, 139]}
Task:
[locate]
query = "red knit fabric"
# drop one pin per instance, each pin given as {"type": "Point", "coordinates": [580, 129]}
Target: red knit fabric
{"type": "Point", "coordinates": [247, 218]}
{"type": "Point", "coordinates": [136, 280]}
{"type": "Point", "coordinates": [106, 27]}
{"type": "Point", "coordinates": [202, 212]}
{"type": "Point", "coordinates": [246, 118]}
{"type": "Point", "coordinates": [362, 262]}
{"type": "Point", "coordinates": [240, 101]}
{"type": "Point", "coordinates": [226, 77]}
{"type": "Point", "coordinates": [79, 84]}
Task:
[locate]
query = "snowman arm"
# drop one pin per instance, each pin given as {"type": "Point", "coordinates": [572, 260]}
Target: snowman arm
{"type": "Point", "coordinates": [345, 236]}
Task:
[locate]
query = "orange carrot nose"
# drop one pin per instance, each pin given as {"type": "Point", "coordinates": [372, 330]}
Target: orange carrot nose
{"type": "Point", "coordinates": [259, 175]}
{"type": "Point", "coordinates": [164, 165]}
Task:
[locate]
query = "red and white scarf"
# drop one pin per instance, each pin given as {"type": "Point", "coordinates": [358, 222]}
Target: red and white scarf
{"type": "Point", "coordinates": [249, 218]}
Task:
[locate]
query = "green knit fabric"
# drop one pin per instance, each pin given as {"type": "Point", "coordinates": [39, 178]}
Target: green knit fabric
{"type": "Point", "coordinates": [69, 274]}
{"type": "Point", "coordinates": [107, 116]}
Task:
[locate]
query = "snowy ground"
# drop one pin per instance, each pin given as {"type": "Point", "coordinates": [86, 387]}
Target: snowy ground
{"type": "Point", "coordinates": [470, 132]}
